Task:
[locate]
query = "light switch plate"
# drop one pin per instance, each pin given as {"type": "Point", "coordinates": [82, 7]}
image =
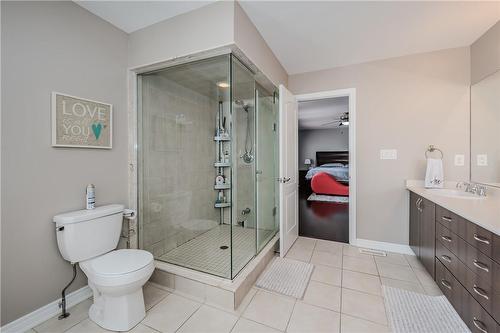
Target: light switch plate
{"type": "Point", "coordinates": [459, 160]}
{"type": "Point", "coordinates": [388, 154]}
{"type": "Point", "coordinates": [482, 160]}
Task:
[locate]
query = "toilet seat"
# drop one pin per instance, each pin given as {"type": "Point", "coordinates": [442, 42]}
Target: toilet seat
{"type": "Point", "coordinates": [119, 267]}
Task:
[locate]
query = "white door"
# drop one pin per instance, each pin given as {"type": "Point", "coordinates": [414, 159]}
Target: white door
{"type": "Point", "coordinates": [289, 226]}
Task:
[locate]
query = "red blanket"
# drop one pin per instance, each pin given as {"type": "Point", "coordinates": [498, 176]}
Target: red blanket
{"type": "Point", "coordinates": [323, 183]}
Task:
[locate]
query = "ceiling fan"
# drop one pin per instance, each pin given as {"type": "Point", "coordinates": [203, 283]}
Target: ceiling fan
{"type": "Point", "coordinates": [343, 120]}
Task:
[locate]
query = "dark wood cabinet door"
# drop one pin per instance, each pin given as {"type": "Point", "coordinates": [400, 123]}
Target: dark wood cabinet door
{"type": "Point", "coordinates": [414, 224]}
{"type": "Point", "coordinates": [428, 235]}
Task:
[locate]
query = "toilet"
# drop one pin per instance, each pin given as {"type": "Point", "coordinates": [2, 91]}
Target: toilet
{"type": "Point", "coordinates": [116, 277]}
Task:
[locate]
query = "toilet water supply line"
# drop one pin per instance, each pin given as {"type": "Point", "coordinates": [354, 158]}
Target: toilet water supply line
{"type": "Point", "coordinates": [62, 305]}
{"type": "Point", "coordinates": [128, 214]}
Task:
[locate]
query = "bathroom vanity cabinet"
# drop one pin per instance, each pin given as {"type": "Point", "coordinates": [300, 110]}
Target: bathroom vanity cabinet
{"type": "Point", "coordinates": [465, 261]}
{"type": "Point", "coordinates": [422, 230]}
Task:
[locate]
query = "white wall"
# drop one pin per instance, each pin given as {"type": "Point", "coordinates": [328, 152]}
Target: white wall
{"type": "Point", "coordinates": [404, 103]}
{"type": "Point", "coordinates": [53, 46]}
{"type": "Point", "coordinates": [217, 25]}
{"type": "Point", "coordinates": [311, 141]}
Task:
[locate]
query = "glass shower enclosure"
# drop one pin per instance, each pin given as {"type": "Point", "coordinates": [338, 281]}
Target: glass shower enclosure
{"type": "Point", "coordinates": [207, 164]}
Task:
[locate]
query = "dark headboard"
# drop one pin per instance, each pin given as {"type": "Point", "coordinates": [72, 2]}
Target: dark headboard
{"type": "Point", "coordinates": [323, 157]}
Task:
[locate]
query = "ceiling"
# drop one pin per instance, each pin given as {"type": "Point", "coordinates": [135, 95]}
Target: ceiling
{"type": "Point", "coordinates": [308, 35]}
{"type": "Point", "coordinates": [130, 16]}
{"type": "Point", "coordinates": [318, 113]}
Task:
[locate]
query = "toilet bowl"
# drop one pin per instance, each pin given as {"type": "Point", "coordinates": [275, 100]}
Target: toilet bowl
{"type": "Point", "coordinates": [89, 238]}
{"type": "Point", "coordinates": [116, 279]}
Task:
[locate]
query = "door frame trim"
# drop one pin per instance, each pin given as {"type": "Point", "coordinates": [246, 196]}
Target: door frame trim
{"type": "Point", "coordinates": [351, 94]}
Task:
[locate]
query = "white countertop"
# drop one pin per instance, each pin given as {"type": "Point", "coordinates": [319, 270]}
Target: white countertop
{"type": "Point", "coordinates": [483, 212]}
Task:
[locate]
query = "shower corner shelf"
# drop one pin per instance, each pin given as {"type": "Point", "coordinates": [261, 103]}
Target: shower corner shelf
{"type": "Point", "coordinates": [222, 187]}
{"type": "Point", "coordinates": [222, 205]}
{"type": "Point", "coordinates": [218, 138]}
{"type": "Point", "coordinates": [221, 164]}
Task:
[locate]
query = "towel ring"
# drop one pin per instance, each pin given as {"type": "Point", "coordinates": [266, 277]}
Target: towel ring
{"type": "Point", "coordinates": [432, 149]}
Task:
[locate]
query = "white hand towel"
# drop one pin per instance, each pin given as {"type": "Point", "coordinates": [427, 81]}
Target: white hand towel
{"type": "Point", "coordinates": [434, 177]}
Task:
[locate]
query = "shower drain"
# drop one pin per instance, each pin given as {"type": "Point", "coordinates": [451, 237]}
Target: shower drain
{"type": "Point", "coordinates": [224, 247]}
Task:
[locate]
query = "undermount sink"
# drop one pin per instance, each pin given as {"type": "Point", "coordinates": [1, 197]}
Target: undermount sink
{"type": "Point", "coordinates": [456, 194]}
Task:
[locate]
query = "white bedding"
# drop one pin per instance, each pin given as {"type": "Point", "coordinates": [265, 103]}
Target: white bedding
{"type": "Point", "coordinates": [338, 171]}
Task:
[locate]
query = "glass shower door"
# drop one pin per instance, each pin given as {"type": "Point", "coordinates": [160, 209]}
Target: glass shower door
{"type": "Point", "coordinates": [266, 165]}
{"type": "Point", "coordinates": [243, 226]}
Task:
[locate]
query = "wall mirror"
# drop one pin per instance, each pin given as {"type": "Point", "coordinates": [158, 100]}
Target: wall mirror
{"type": "Point", "coordinates": [485, 131]}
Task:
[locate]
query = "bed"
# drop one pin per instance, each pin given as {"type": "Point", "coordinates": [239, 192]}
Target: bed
{"type": "Point", "coordinates": [334, 163]}
{"type": "Point", "coordinates": [331, 176]}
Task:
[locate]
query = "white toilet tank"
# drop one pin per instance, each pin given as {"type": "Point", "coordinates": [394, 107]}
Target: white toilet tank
{"type": "Point", "coordinates": [86, 234]}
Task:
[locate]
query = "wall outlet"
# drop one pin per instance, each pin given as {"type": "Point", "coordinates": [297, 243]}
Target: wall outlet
{"type": "Point", "coordinates": [459, 160]}
{"type": "Point", "coordinates": [388, 154]}
{"type": "Point", "coordinates": [482, 160]}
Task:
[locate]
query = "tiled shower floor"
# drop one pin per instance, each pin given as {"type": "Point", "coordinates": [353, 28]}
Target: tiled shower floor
{"type": "Point", "coordinates": [204, 252]}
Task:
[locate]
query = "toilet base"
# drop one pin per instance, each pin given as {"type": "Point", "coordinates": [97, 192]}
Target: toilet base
{"type": "Point", "coordinates": [118, 313]}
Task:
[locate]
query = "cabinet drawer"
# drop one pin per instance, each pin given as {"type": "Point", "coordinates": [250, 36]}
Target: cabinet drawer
{"type": "Point", "coordinates": [483, 293]}
{"type": "Point", "coordinates": [496, 248]}
{"type": "Point", "coordinates": [449, 260]}
{"type": "Point", "coordinates": [476, 318]}
{"type": "Point", "coordinates": [483, 266]}
{"type": "Point", "coordinates": [450, 286]}
{"type": "Point", "coordinates": [480, 238]}
{"type": "Point", "coordinates": [451, 221]}
{"type": "Point", "coordinates": [447, 238]}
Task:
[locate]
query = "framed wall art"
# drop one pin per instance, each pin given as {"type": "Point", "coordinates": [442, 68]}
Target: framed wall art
{"type": "Point", "coordinates": [81, 123]}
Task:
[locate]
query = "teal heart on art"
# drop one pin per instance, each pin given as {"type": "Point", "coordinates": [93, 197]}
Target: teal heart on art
{"type": "Point", "coordinates": [97, 128]}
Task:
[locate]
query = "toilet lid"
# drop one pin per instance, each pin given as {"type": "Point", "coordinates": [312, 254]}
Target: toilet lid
{"type": "Point", "coordinates": [120, 262]}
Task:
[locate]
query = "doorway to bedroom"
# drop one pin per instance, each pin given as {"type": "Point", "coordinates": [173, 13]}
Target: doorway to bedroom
{"type": "Point", "coordinates": [323, 164]}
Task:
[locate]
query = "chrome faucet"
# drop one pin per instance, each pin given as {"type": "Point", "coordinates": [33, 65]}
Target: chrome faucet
{"type": "Point", "coordinates": [482, 191]}
{"type": "Point", "coordinates": [472, 188]}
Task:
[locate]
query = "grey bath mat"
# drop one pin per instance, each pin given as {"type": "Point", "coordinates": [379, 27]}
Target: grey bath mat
{"type": "Point", "coordinates": [287, 277]}
{"type": "Point", "coordinates": [411, 312]}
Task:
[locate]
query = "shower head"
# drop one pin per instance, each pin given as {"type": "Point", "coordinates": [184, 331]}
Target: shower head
{"type": "Point", "coordinates": [239, 102]}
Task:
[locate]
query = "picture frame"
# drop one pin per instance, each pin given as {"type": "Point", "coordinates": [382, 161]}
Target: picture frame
{"type": "Point", "coordinates": [81, 123]}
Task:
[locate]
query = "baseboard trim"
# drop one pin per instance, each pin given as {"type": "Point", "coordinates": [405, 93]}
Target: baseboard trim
{"type": "Point", "coordinates": [46, 312]}
{"type": "Point", "coordinates": [384, 246]}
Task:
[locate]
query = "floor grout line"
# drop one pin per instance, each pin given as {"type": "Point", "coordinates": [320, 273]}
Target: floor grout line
{"type": "Point", "coordinates": [185, 321]}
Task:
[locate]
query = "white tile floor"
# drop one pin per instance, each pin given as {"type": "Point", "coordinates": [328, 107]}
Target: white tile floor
{"type": "Point", "coordinates": [203, 253]}
{"type": "Point", "coordinates": [344, 295]}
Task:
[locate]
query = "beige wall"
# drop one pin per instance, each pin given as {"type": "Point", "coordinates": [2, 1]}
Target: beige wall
{"type": "Point", "coordinates": [50, 46]}
{"type": "Point", "coordinates": [404, 103]}
{"type": "Point", "coordinates": [485, 54]}
{"type": "Point", "coordinates": [249, 40]}
{"type": "Point", "coordinates": [312, 141]}
{"type": "Point", "coordinates": [203, 29]}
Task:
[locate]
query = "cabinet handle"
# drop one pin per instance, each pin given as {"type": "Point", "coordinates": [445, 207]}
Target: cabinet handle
{"type": "Point", "coordinates": [481, 239]}
{"type": "Point", "coordinates": [480, 265]}
{"type": "Point", "coordinates": [419, 201]}
{"type": "Point", "coordinates": [479, 325]}
{"type": "Point", "coordinates": [480, 292]}
{"type": "Point", "coordinates": [446, 284]}
{"type": "Point", "coordinates": [446, 218]}
{"type": "Point", "coordinates": [446, 238]}
{"type": "Point", "coordinates": [446, 258]}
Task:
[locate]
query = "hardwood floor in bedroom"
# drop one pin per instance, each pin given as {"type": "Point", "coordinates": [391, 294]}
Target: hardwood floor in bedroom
{"type": "Point", "coordinates": [322, 220]}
